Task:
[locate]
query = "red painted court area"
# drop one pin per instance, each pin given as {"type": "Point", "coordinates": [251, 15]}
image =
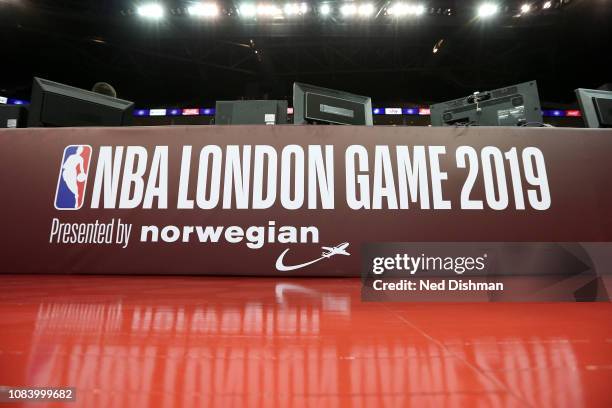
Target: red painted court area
{"type": "Point", "coordinates": [263, 342]}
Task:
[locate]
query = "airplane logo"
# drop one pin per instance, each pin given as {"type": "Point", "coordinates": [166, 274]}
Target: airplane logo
{"type": "Point", "coordinates": [327, 253]}
{"type": "Point", "coordinates": [337, 250]}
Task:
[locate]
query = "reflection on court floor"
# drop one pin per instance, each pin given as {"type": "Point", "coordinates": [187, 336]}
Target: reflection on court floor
{"type": "Point", "coordinates": [127, 342]}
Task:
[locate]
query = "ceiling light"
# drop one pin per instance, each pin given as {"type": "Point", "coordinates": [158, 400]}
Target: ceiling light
{"type": "Point", "coordinates": [437, 46]}
{"type": "Point", "coordinates": [525, 8]}
{"type": "Point", "coordinates": [348, 10]}
{"type": "Point", "coordinates": [292, 9]}
{"type": "Point", "coordinates": [487, 10]}
{"type": "Point", "coordinates": [365, 10]}
{"type": "Point", "coordinates": [547, 5]}
{"type": "Point", "coordinates": [247, 10]}
{"type": "Point", "coordinates": [150, 10]}
{"type": "Point", "coordinates": [203, 10]}
{"type": "Point", "coordinates": [325, 9]}
{"type": "Point", "coordinates": [268, 10]}
{"type": "Point", "coordinates": [403, 9]}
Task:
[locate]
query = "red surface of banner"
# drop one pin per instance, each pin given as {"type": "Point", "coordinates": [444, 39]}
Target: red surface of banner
{"type": "Point", "coordinates": [288, 200]}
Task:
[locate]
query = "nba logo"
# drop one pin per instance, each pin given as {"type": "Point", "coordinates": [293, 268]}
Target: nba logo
{"type": "Point", "coordinates": [72, 178]}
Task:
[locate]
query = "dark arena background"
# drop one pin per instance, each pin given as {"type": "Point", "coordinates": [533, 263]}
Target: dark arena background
{"type": "Point", "coordinates": [185, 222]}
{"type": "Point", "coordinates": [182, 61]}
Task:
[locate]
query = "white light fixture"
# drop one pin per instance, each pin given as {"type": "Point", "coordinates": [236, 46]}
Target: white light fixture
{"type": "Point", "coordinates": [294, 9]}
{"type": "Point", "coordinates": [325, 9]}
{"type": "Point", "coordinates": [404, 9]}
{"type": "Point", "coordinates": [247, 10]}
{"type": "Point", "coordinates": [437, 46]}
{"type": "Point", "coordinates": [203, 10]}
{"type": "Point", "coordinates": [547, 5]}
{"type": "Point", "coordinates": [487, 10]}
{"type": "Point", "coordinates": [268, 10]}
{"type": "Point", "coordinates": [153, 11]}
{"type": "Point", "coordinates": [365, 10]}
{"type": "Point", "coordinates": [348, 10]}
{"type": "Point", "coordinates": [525, 8]}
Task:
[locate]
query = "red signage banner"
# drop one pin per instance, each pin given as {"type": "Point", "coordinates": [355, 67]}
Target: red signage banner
{"type": "Point", "coordinates": [288, 200]}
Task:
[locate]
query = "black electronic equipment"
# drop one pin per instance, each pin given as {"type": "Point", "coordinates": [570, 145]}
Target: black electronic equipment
{"type": "Point", "coordinates": [57, 105]}
{"type": "Point", "coordinates": [255, 112]}
{"type": "Point", "coordinates": [596, 107]}
{"type": "Point", "coordinates": [13, 116]}
{"type": "Point", "coordinates": [516, 105]}
{"type": "Point", "coordinates": [322, 105]}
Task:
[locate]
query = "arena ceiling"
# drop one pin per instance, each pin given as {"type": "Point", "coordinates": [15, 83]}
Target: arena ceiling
{"type": "Point", "coordinates": [181, 59]}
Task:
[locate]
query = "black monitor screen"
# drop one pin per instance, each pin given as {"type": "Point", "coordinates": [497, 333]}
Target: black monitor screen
{"type": "Point", "coordinates": [58, 105]}
{"type": "Point", "coordinates": [322, 105]}
{"type": "Point", "coordinates": [596, 107]}
{"type": "Point", "coordinates": [603, 107]}
{"type": "Point", "coordinates": [334, 110]}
